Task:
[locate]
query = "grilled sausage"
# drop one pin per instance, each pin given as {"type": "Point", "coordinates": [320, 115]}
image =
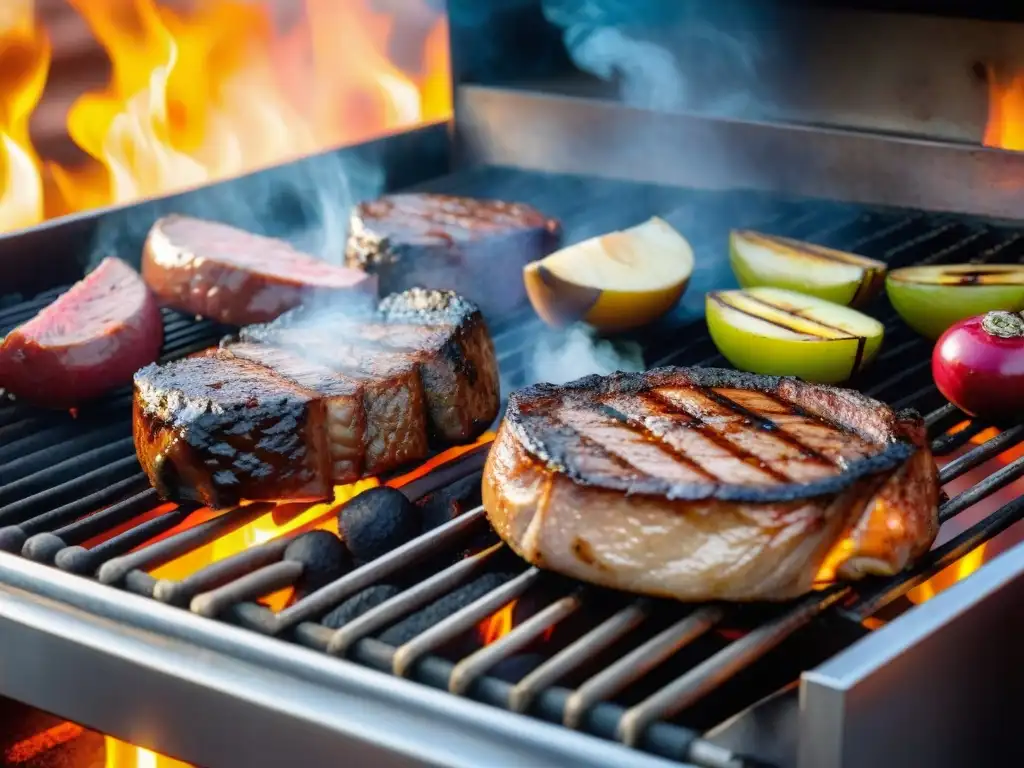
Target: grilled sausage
{"type": "Point", "coordinates": [704, 484]}
{"type": "Point", "coordinates": [88, 341]}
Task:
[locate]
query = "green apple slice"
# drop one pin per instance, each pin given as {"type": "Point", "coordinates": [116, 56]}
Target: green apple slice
{"type": "Point", "coordinates": [932, 298]}
{"type": "Point", "coordinates": [768, 260]}
{"type": "Point", "coordinates": [784, 333]}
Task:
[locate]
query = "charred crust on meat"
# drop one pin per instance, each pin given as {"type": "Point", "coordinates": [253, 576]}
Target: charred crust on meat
{"type": "Point", "coordinates": [887, 429]}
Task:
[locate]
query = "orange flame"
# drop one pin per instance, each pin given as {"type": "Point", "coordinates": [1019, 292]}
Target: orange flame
{"type": "Point", "coordinates": [1005, 125]}
{"type": "Point", "coordinates": [498, 624]}
{"type": "Point", "coordinates": [29, 749]}
{"type": "Point", "coordinates": [966, 565]}
{"type": "Point", "coordinates": [121, 754]}
{"type": "Point", "coordinates": [214, 92]}
{"type": "Point", "coordinates": [286, 518]}
{"type": "Point", "coordinates": [24, 66]}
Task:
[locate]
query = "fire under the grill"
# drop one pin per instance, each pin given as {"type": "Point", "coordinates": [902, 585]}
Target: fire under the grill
{"type": "Point", "coordinates": [453, 609]}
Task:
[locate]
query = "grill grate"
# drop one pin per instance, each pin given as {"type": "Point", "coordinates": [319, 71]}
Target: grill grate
{"type": "Point", "coordinates": [72, 495]}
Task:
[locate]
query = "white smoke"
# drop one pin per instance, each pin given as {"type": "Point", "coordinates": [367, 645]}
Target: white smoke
{"type": "Point", "coordinates": [307, 202]}
{"type": "Point", "coordinates": [579, 351]}
{"type": "Point", "coordinates": [675, 56]}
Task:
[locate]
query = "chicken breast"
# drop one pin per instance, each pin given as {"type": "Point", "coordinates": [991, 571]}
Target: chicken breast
{"type": "Point", "coordinates": [703, 484]}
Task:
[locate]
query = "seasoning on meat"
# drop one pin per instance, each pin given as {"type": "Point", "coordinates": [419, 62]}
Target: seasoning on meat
{"type": "Point", "coordinates": [477, 248]}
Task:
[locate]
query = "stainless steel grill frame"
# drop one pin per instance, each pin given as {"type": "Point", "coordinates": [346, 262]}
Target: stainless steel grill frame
{"type": "Point", "coordinates": [218, 694]}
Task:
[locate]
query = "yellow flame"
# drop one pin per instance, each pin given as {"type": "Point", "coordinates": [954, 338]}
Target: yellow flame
{"type": "Point", "coordinates": [1005, 126]}
{"type": "Point", "coordinates": [212, 92]}
{"type": "Point", "coordinates": [121, 754]}
{"type": "Point", "coordinates": [24, 66]}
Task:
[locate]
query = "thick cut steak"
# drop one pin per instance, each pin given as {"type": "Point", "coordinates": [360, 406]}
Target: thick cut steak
{"type": "Point", "coordinates": [370, 393]}
{"type": "Point", "coordinates": [477, 248]}
{"type": "Point", "coordinates": [703, 484]}
{"type": "Point", "coordinates": [216, 271]}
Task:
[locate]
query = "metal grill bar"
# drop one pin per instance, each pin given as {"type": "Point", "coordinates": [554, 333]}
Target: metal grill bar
{"type": "Point", "coordinates": [48, 456]}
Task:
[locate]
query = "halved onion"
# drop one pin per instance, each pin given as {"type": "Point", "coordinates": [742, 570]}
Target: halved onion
{"type": "Point", "coordinates": [780, 332]}
{"type": "Point", "coordinates": [768, 260]}
{"type": "Point", "coordinates": [930, 299]}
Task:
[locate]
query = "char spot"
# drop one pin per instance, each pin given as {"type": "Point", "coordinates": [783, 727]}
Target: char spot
{"type": "Point", "coordinates": [584, 552]}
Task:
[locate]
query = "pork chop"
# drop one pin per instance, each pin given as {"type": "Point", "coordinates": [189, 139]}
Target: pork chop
{"type": "Point", "coordinates": [703, 484]}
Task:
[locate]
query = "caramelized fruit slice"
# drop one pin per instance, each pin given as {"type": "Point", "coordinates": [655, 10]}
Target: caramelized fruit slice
{"type": "Point", "coordinates": [930, 299]}
{"type": "Point", "coordinates": [613, 282]}
{"type": "Point", "coordinates": [780, 332]}
{"type": "Point", "coordinates": [768, 260]}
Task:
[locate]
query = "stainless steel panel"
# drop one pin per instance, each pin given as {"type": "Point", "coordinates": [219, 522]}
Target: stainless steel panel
{"type": "Point", "coordinates": [939, 686]}
{"type": "Point", "coordinates": [217, 695]}
{"type": "Point", "coordinates": [601, 138]}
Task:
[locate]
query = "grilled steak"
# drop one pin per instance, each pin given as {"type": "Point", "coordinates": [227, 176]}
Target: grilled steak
{"type": "Point", "coordinates": [88, 341]}
{"type": "Point", "coordinates": [438, 330]}
{"type": "Point", "coordinates": [210, 269]}
{"type": "Point", "coordinates": [362, 395]}
{"type": "Point", "coordinates": [704, 484]}
{"type": "Point", "coordinates": [217, 430]}
{"type": "Point", "coordinates": [477, 248]}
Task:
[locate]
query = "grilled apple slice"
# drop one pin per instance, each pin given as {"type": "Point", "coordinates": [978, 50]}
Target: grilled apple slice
{"type": "Point", "coordinates": [780, 332]}
{"type": "Point", "coordinates": [768, 260]}
{"type": "Point", "coordinates": [932, 298]}
{"type": "Point", "coordinates": [613, 282]}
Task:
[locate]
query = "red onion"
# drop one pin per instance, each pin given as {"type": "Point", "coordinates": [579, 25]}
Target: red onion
{"type": "Point", "coordinates": [978, 365]}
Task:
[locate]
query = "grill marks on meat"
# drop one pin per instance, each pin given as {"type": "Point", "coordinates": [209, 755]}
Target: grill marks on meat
{"type": "Point", "coordinates": [438, 331]}
{"type": "Point", "coordinates": [212, 428]}
{"type": "Point", "coordinates": [478, 248]}
{"type": "Point", "coordinates": [376, 400]}
{"type": "Point", "coordinates": [704, 484]}
{"type": "Point", "coordinates": [691, 434]}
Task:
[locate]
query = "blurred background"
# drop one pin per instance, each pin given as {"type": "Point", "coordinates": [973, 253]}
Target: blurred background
{"type": "Point", "coordinates": [107, 101]}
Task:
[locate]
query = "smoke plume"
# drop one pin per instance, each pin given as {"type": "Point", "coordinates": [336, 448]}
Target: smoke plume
{"type": "Point", "coordinates": [579, 351]}
{"type": "Point", "coordinates": [675, 55]}
{"type": "Point", "coordinates": [307, 202]}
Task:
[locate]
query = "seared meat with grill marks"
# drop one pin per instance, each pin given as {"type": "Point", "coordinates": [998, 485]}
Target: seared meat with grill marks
{"type": "Point", "coordinates": [442, 332]}
{"type": "Point", "coordinates": [370, 400]}
{"type": "Point", "coordinates": [217, 430]}
{"type": "Point", "coordinates": [477, 248]}
{"type": "Point", "coordinates": [703, 484]}
{"type": "Point", "coordinates": [214, 270]}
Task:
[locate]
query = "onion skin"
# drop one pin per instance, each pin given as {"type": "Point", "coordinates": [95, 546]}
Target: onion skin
{"type": "Point", "coordinates": [978, 365]}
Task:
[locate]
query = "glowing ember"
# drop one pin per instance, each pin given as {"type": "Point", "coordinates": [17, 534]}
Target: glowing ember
{"type": "Point", "coordinates": [121, 754]}
{"type": "Point", "coordinates": [29, 749]}
{"type": "Point", "coordinates": [1005, 126]}
{"type": "Point", "coordinates": [498, 624]}
{"type": "Point", "coordinates": [210, 93]}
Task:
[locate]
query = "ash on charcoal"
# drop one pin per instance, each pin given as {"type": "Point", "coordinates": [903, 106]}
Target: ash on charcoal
{"type": "Point", "coordinates": [376, 522]}
{"type": "Point", "coordinates": [324, 558]}
{"type": "Point", "coordinates": [358, 604]}
{"type": "Point", "coordinates": [449, 502]}
{"type": "Point", "coordinates": [441, 609]}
